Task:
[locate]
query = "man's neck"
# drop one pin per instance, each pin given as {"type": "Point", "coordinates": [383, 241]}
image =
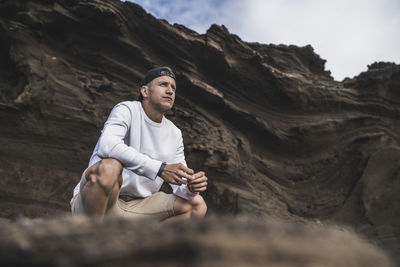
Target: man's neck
{"type": "Point", "coordinates": [151, 112]}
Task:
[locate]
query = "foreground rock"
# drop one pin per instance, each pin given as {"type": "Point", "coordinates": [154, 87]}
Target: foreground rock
{"type": "Point", "coordinates": [212, 242]}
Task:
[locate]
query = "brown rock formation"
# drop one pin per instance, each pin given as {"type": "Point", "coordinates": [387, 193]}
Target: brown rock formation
{"type": "Point", "coordinates": [274, 132]}
{"type": "Point", "coordinates": [224, 241]}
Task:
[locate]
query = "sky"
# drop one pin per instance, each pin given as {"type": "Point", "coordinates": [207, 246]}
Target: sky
{"type": "Point", "coordinates": [349, 34]}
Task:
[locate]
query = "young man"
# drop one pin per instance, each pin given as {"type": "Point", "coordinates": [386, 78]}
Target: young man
{"type": "Point", "coordinates": [137, 151]}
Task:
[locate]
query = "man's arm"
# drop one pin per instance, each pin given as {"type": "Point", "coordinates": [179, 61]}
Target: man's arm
{"type": "Point", "coordinates": [111, 144]}
{"type": "Point", "coordinates": [183, 190]}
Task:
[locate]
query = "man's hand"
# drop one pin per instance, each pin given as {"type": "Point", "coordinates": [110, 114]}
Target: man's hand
{"type": "Point", "coordinates": [198, 183]}
{"type": "Point", "coordinates": [173, 173]}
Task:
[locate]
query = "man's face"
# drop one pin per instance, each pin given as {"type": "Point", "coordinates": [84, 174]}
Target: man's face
{"type": "Point", "coordinates": [160, 93]}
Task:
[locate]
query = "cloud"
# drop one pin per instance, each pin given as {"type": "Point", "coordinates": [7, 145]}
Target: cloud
{"type": "Point", "coordinates": [349, 34]}
{"type": "Point", "coordinates": [197, 15]}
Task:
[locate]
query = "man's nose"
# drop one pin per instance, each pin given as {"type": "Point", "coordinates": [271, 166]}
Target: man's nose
{"type": "Point", "coordinates": [170, 90]}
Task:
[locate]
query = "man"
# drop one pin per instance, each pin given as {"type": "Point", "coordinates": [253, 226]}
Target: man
{"type": "Point", "coordinates": [137, 151]}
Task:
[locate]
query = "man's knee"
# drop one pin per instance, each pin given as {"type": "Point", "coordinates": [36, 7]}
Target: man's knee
{"type": "Point", "coordinates": [106, 173]}
{"type": "Point", "coordinates": [196, 206]}
{"type": "Point", "coordinates": [198, 203]}
{"type": "Point", "coordinates": [110, 167]}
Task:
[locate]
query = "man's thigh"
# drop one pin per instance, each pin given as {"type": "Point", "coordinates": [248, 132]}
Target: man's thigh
{"type": "Point", "coordinates": [77, 204]}
{"type": "Point", "coordinates": [156, 207]}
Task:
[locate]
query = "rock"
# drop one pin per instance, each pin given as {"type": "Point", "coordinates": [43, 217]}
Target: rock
{"type": "Point", "coordinates": [275, 134]}
{"type": "Point", "coordinates": [223, 241]}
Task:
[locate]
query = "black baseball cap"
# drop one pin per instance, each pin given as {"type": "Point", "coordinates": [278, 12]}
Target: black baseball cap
{"type": "Point", "coordinates": [157, 72]}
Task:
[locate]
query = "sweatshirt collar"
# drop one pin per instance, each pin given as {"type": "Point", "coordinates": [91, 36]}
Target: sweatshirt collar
{"type": "Point", "coordinates": [150, 121]}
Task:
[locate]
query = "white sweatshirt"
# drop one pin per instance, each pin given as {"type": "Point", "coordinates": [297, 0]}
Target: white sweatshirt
{"type": "Point", "coordinates": [141, 145]}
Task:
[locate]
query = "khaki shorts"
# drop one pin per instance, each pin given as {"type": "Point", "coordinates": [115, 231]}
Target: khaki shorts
{"type": "Point", "coordinates": [157, 206]}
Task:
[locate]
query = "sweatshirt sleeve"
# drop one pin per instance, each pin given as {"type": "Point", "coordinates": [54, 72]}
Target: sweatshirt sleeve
{"type": "Point", "coordinates": [111, 144]}
{"type": "Point", "coordinates": [181, 190]}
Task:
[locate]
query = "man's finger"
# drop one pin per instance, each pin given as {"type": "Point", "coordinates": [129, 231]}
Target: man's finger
{"type": "Point", "coordinates": [186, 169]}
{"type": "Point", "coordinates": [199, 185]}
{"type": "Point", "coordinates": [198, 174]}
{"type": "Point", "coordinates": [179, 180]}
{"type": "Point", "coordinates": [175, 179]}
{"type": "Point", "coordinates": [183, 174]}
{"type": "Point", "coordinates": [172, 181]}
{"type": "Point", "coordinates": [198, 180]}
{"type": "Point", "coordinates": [201, 189]}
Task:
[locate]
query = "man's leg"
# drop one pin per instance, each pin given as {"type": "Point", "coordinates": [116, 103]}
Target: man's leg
{"type": "Point", "coordinates": [104, 179]}
{"type": "Point", "coordinates": [185, 209]}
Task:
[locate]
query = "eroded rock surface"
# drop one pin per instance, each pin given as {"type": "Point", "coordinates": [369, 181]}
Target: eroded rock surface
{"type": "Point", "coordinates": [274, 132]}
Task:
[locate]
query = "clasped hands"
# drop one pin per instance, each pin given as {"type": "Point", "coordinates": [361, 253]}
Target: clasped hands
{"type": "Point", "coordinates": [173, 173]}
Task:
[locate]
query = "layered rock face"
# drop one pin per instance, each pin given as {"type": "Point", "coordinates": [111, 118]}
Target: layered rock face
{"type": "Point", "coordinates": [275, 134]}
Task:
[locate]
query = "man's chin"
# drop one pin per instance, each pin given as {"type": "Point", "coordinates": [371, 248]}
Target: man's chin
{"type": "Point", "coordinates": [166, 106]}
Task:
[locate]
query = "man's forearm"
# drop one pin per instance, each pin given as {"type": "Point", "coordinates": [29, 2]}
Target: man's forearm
{"type": "Point", "coordinates": [141, 164]}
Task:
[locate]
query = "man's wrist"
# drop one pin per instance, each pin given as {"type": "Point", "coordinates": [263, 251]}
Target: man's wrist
{"type": "Point", "coordinates": [159, 173]}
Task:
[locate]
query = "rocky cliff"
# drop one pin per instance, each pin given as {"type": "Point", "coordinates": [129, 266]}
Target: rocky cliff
{"type": "Point", "coordinates": [275, 134]}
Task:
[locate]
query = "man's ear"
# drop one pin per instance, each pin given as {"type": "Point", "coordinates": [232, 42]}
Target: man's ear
{"type": "Point", "coordinates": [145, 91]}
